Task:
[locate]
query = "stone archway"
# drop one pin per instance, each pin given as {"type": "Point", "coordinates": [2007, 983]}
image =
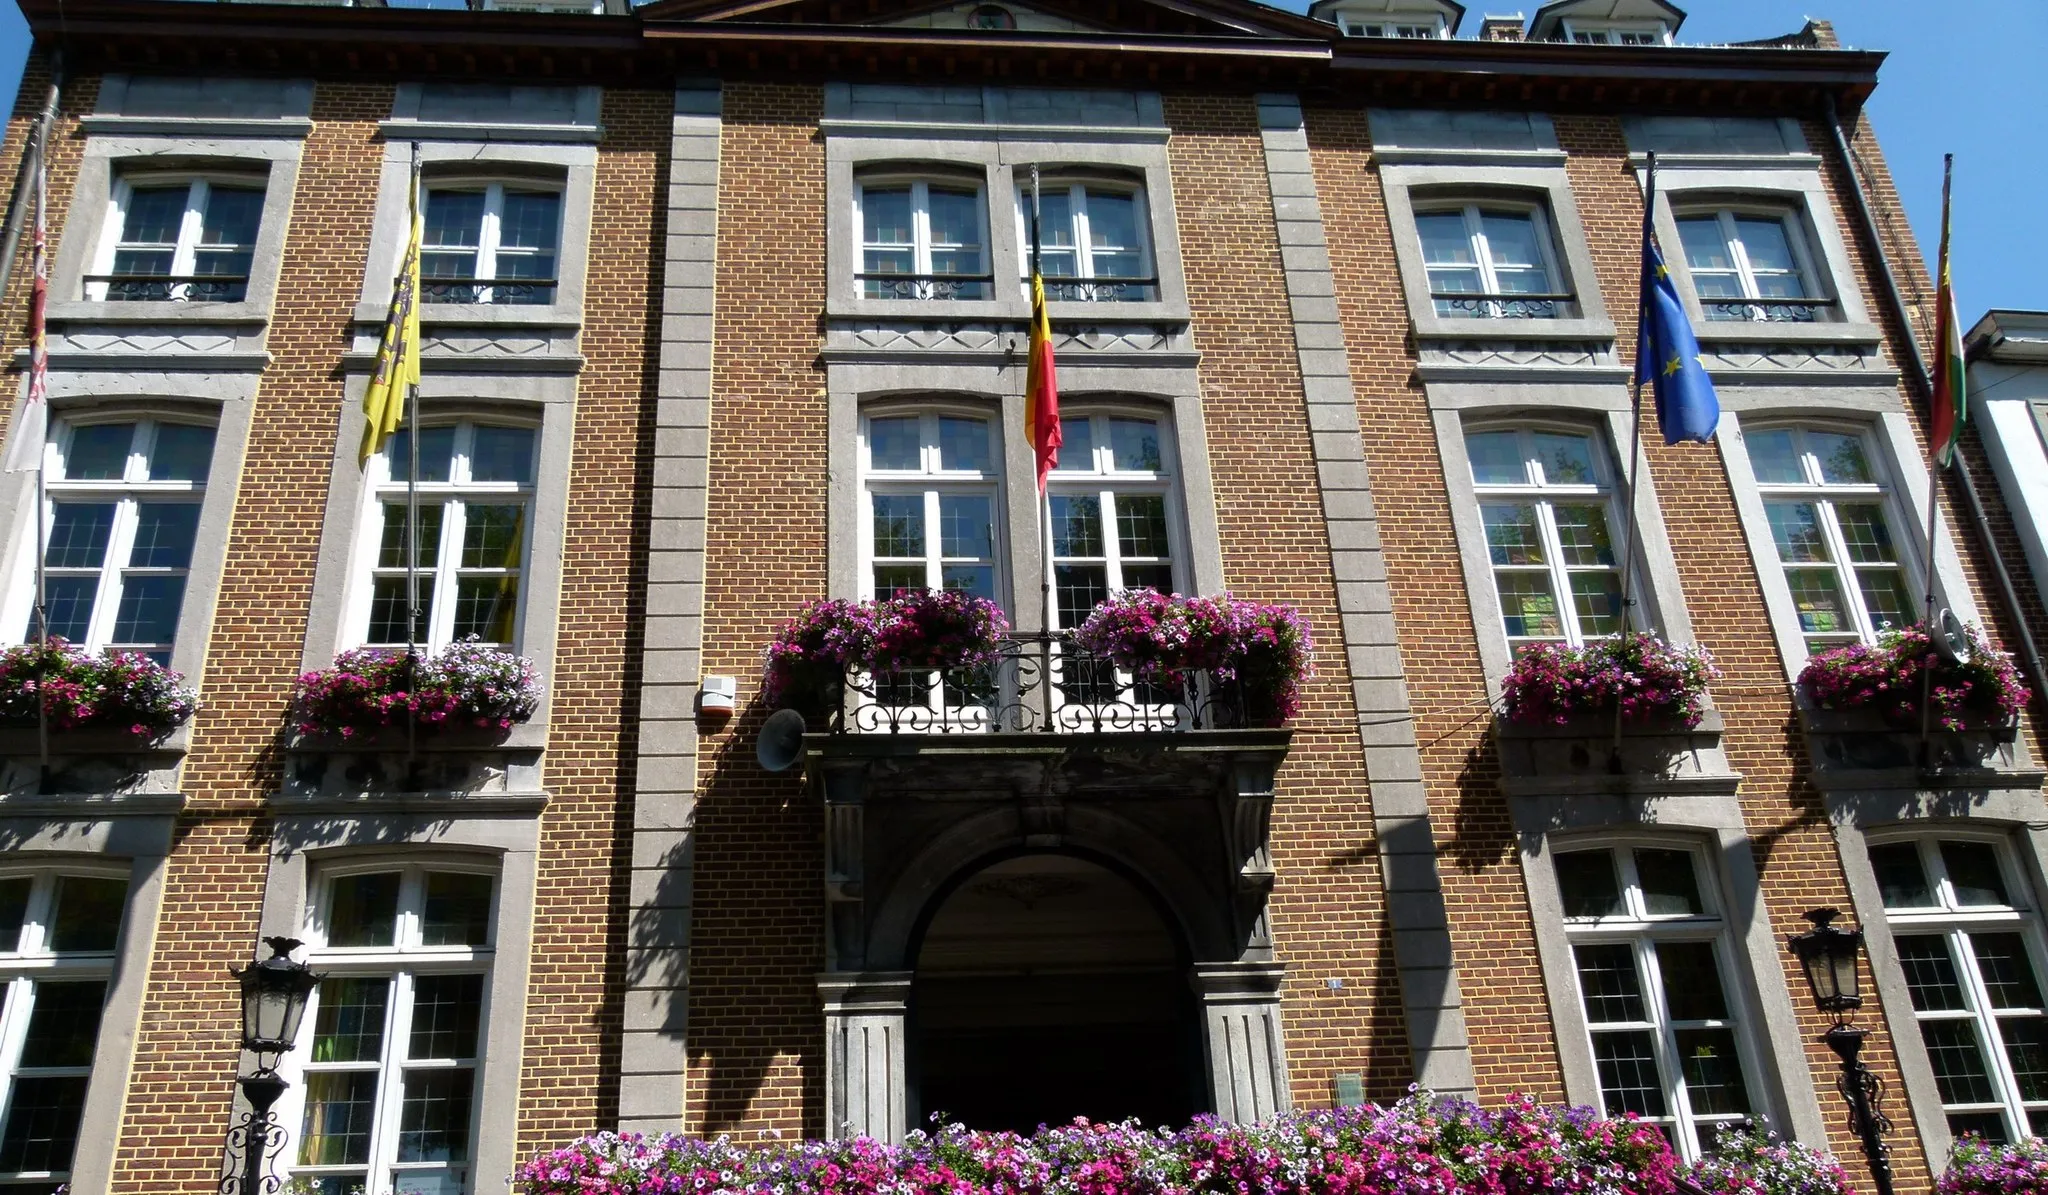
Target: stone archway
{"type": "Point", "coordinates": [1047, 987]}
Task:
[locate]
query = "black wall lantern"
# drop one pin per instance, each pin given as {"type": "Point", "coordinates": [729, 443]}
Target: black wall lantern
{"type": "Point", "coordinates": [1828, 955]}
{"type": "Point", "coordinates": [274, 995]}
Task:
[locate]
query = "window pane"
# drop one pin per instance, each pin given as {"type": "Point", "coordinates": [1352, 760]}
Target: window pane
{"type": "Point", "coordinates": [1141, 525]}
{"type": "Point", "coordinates": [88, 913]}
{"type": "Point", "coordinates": [1582, 532]}
{"type": "Point", "coordinates": [501, 454]}
{"type": "Point", "coordinates": [967, 526]}
{"type": "Point", "coordinates": [1958, 1063]}
{"type": "Point", "coordinates": [454, 218]}
{"type": "Point", "coordinates": [1134, 445]}
{"type": "Point", "coordinates": [2008, 972]}
{"type": "Point", "coordinates": [1079, 588]}
{"type": "Point", "coordinates": [2026, 1047]}
{"type": "Point", "coordinates": [1884, 595]}
{"type": "Point", "coordinates": [388, 609]}
{"type": "Point", "coordinates": [1609, 984]}
{"type": "Point", "coordinates": [1766, 243]}
{"type": "Point", "coordinates": [42, 1123]}
{"type": "Point", "coordinates": [531, 220]}
{"type": "Point", "coordinates": [1692, 981]}
{"type": "Point", "coordinates": [1444, 241]}
{"type": "Point", "coordinates": [492, 536]}
{"type": "Point", "coordinates": [13, 911]}
{"type": "Point", "coordinates": [427, 549]}
{"type": "Point", "coordinates": [363, 910]}
{"type": "Point", "coordinates": [64, 1025]}
{"type": "Point", "coordinates": [458, 909]}
{"type": "Point", "coordinates": [976, 579]}
{"type": "Point", "coordinates": [163, 534]}
{"type": "Point", "coordinates": [1818, 598]}
{"type": "Point", "coordinates": [437, 452]}
{"type": "Point", "coordinates": [1973, 873]}
{"type": "Point", "coordinates": [1901, 877]}
{"type": "Point", "coordinates": [1988, 1125]}
{"type": "Point", "coordinates": [1076, 525]}
{"type": "Point", "coordinates": [183, 452]}
{"type": "Point", "coordinates": [339, 1108]}
{"type": "Point", "coordinates": [899, 524]}
{"type": "Point", "coordinates": [348, 1021]}
{"type": "Point", "coordinates": [1796, 528]}
{"type": "Point", "coordinates": [99, 452]}
{"type": "Point", "coordinates": [1112, 220]}
{"type": "Point", "coordinates": [1713, 1071]}
{"type": "Point", "coordinates": [1596, 597]}
{"type": "Point", "coordinates": [486, 607]}
{"type": "Point", "coordinates": [1670, 887]}
{"type": "Point", "coordinates": [1864, 531]}
{"type": "Point", "coordinates": [1774, 457]}
{"type": "Point", "coordinates": [893, 443]}
{"type": "Point", "coordinates": [1841, 458]}
{"type": "Point", "coordinates": [1511, 532]}
{"type": "Point", "coordinates": [1566, 460]}
{"type": "Point", "coordinates": [1930, 973]}
{"type": "Point", "coordinates": [1496, 458]}
{"type": "Point", "coordinates": [69, 602]}
{"type": "Point", "coordinates": [1511, 240]}
{"type": "Point", "coordinates": [894, 579]}
{"type": "Point", "coordinates": [1077, 444]}
{"type": "Point", "coordinates": [232, 214]}
{"type": "Point", "coordinates": [1628, 1073]}
{"type": "Point", "coordinates": [1149, 576]}
{"type": "Point", "coordinates": [885, 215]}
{"type": "Point", "coordinates": [1705, 248]}
{"type": "Point", "coordinates": [1528, 607]}
{"type": "Point", "coordinates": [956, 236]}
{"type": "Point", "coordinates": [149, 609]}
{"type": "Point", "coordinates": [433, 1123]}
{"type": "Point", "coordinates": [963, 445]}
{"type": "Point", "coordinates": [155, 213]}
{"type": "Point", "coordinates": [445, 1013]}
{"type": "Point", "coordinates": [78, 534]}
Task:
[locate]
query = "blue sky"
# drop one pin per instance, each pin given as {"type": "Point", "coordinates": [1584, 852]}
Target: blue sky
{"type": "Point", "coordinates": [1965, 77]}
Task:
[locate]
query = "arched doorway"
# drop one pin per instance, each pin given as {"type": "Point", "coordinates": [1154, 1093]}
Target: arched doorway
{"type": "Point", "coordinates": [1049, 987]}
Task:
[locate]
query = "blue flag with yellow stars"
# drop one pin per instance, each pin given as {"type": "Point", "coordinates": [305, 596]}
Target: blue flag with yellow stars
{"type": "Point", "coordinates": [1668, 356]}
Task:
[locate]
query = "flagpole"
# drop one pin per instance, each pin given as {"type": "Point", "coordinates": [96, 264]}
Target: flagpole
{"type": "Point", "coordinates": [39, 364]}
{"type": "Point", "coordinates": [412, 521]}
{"type": "Point", "coordinates": [1044, 506]}
{"type": "Point", "coordinates": [1944, 311]}
{"type": "Point", "coordinates": [1635, 440]}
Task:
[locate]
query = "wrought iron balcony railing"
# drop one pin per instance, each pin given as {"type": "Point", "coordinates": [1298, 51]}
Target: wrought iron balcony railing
{"type": "Point", "coordinates": [169, 288]}
{"type": "Point", "coordinates": [489, 290]}
{"type": "Point", "coordinates": [1774, 311]}
{"type": "Point", "coordinates": [1465, 305]}
{"type": "Point", "coordinates": [1038, 683]}
{"type": "Point", "coordinates": [1099, 290]}
{"type": "Point", "coordinates": [925, 286]}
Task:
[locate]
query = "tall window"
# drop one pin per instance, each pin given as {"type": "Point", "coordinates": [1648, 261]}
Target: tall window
{"type": "Point", "coordinates": [923, 240]}
{"type": "Point", "coordinates": [1829, 520]}
{"type": "Point", "coordinates": [501, 233]}
{"type": "Point", "coordinates": [393, 1036]}
{"type": "Point", "coordinates": [1749, 266]}
{"type": "Point", "coordinates": [1544, 501]}
{"type": "Point", "coordinates": [1491, 261]}
{"type": "Point", "coordinates": [123, 510]}
{"type": "Point", "coordinates": [1650, 951]}
{"type": "Point", "coordinates": [1970, 945]}
{"type": "Point", "coordinates": [57, 936]}
{"type": "Point", "coordinates": [179, 240]}
{"type": "Point", "coordinates": [1093, 242]}
{"type": "Point", "coordinates": [475, 495]}
{"type": "Point", "coordinates": [1112, 505]}
{"type": "Point", "coordinates": [932, 494]}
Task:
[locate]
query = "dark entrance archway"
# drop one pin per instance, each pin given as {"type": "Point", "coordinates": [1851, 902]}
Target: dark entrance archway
{"type": "Point", "coordinates": [1049, 987]}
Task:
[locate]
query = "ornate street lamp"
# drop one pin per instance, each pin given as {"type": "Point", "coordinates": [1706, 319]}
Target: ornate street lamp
{"type": "Point", "coordinates": [274, 994]}
{"type": "Point", "coordinates": [1828, 955]}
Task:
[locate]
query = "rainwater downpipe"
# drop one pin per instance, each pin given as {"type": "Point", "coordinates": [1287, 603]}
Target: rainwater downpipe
{"type": "Point", "coordinates": [2030, 653]}
{"type": "Point", "coordinates": [24, 173]}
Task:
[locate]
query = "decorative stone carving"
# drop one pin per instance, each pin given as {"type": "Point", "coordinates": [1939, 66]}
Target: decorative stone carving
{"type": "Point", "coordinates": [1560, 354]}
{"type": "Point", "coordinates": [1245, 1052]}
{"type": "Point", "coordinates": [936, 337]}
{"type": "Point", "coordinates": [1831, 358]}
{"type": "Point", "coordinates": [145, 340]}
{"type": "Point", "coordinates": [866, 1091]}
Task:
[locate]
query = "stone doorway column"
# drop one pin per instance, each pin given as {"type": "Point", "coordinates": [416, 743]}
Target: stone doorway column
{"type": "Point", "coordinates": [1241, 1040]}
{"type": "Point", "coordinates": [865, 1089]}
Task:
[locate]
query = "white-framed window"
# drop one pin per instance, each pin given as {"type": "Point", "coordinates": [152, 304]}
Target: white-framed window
{"type": "Point", "coordinates": [1618, 33]}
{"type": "Point", "coordinates": [58, 930]}
{"type": "Point", "coordinates": [122, 511]}
{"type": "Point", "coordinates": [922, 239]}
{"type": "Point", "coordinates": [1969, 942]}
{"type": "Point", "coordinates": [1751, 265]}
{"type": "Point", "coordinates": [932, 482]}
{"type": "Point", "coordinates": [506, 233]}
{"type": "Point", "coordinates": [1831, 518]}
{"type": "Point", "coordinates": [1095, 241]}
{"type": "Point", "coordinates": [1655, 975]}
{"type": "Point", "coordinates": [178, 239]}
{"type": "Point", "coordinates": [1546, 504]}
{"type": "Point", "coordinates": [390, 1046]}
{"type": "Point", "coordinates": [475, 504]}
{"type": "Point", "coordinates": [1400, 27]}
{"type": "Point", "coordinates": [1491, 260]}
{"type": "Point", "coordinates": [1114, 506]}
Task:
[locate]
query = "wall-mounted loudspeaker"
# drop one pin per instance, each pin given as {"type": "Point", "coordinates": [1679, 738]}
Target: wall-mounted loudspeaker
{"type": "Point", "coordinates": [781, 742]}
{"type": "Point", "coordinates": [1951, 641]}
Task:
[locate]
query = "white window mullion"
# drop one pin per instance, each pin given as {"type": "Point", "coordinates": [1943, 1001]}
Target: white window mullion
{"type": "Point", "coordinates": [440, 620]}
{"type": "Point", "coordinates": [13, 1031]}
{"type": "Point", "coordinates": [934, 547]}
{"type": "Point", "coordinates": [488, 237]}
{"type": "Point", "coordinates": [190, 229]}
{"type": "Point", "coordinates": [391, 1084]}
{"type": "Point", "coordinates": [1560, 575]}
{"type": "Point", "coordinates": [1112, 550]}
{"type": "Point", "coordinates": [1845, 569]}
{"type": "Point", "coordinates": [1669, 1064]}
{"type": "Point", "coordinates": [921, 229]}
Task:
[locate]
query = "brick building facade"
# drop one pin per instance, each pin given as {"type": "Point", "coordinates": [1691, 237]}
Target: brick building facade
{"type": "Point", "coordinates": [723, 316]}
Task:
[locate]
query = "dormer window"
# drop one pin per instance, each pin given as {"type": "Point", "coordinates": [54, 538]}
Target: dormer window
{"type": "Point", "coordinates": [1408, 27]}
{"type": "Point", "coordinates": [991, 16]}
{"type": "Point", "coordinates": [1618, 33]}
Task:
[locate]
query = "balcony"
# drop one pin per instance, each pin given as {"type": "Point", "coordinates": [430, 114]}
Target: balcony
{"type": "Point", "coordinates": [167, 288]}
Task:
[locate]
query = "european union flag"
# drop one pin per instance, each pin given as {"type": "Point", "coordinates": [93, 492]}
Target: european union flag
{"type": "Point", "coordinates": [1668, 356]}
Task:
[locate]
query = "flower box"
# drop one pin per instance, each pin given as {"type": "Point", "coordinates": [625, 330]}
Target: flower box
{"type": "Point", "coordinates": [372, 694]}
{"type": "Point", "coordinates": [112, 695]}
{"type": "Point", "coordinates": [1892, 677]}
{"type": "Point", "coordinates": [1978, 1167]}
{"type": "Point", "coordinates": [1537, 757]}
{"type": "Point", "coordinates": [804, 668]}
{"type": "Point", "coordinates": [1641, 676]}
{"type": "Point", "coordinates": [1256, 654]}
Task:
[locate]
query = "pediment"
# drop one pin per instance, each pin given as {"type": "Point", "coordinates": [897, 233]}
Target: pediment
{"type": "Point", "coordinates": [1120, 18]}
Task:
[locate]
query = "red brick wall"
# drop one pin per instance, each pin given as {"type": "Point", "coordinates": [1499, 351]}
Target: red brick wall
{"type": "Point", "coordinates": [1326, 907]}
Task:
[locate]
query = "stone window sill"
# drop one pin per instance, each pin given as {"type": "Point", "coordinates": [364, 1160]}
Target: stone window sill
{"type": "Point", "coordinates": [1662, 757]}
